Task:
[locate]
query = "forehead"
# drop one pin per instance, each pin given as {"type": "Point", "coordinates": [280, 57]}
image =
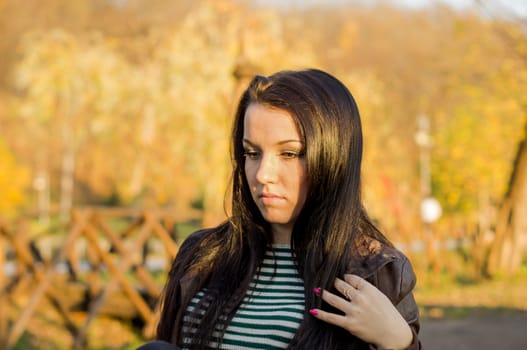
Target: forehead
{"type": "Point", "coordinates": [272, 123]}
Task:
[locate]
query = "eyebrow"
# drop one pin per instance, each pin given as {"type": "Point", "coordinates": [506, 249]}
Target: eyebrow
{"type": "Point", "coordinates": [279, 143]}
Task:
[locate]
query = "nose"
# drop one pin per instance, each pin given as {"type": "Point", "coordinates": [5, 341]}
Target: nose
{"type": "Point", "coordinates": [267, 170]}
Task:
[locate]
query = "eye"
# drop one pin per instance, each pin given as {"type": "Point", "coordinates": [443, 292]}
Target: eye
{"type": "Point", "coordinates": [251, 154]}
{"type": "Point", "coordinates": [291, 154]}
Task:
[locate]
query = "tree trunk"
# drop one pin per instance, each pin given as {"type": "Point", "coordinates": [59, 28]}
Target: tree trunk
{"type": "Point", "coordinates": [146, 137]}
{"type": "Point", "coordinates": [67, 173]}
{"type": "Point", "coordinates": [41, 186]}
{"type": "Point", "coordinates": [510, 245]}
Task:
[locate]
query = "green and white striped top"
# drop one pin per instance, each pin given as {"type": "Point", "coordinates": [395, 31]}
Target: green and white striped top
{"type": "Point", "coordinates": [271, 311]}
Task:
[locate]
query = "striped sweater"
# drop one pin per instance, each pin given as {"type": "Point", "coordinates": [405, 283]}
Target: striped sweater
{"type": "Point", "coordinates": [271, 311]}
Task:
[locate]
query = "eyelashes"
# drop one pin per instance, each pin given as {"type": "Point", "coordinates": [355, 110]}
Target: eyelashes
{"type": "Point", "coordinates": [253, 154]}
{"type": "Point", "coordinates": [291, 154]}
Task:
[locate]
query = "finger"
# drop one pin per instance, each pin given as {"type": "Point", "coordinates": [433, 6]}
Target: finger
{"type": "Point", "coordinates": [355, 281]}
{"type": "Point", "coordinates": [329, 317]}
{"type": "Point", "coordinates": [345, 289]}
{"type": "Point", "coordinates": [336, 301]}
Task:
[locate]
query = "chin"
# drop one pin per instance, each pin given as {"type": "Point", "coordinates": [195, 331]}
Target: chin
{"type": "Point", "coordinates": [278, 217]}
{"type": "Point", "coordinates": [278, 220]}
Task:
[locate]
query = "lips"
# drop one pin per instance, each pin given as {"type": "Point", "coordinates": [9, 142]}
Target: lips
{"type": "Point", "coordinates": [270, 198]}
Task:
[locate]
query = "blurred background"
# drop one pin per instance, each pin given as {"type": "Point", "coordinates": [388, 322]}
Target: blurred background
{"type": "Point", "coordinates": [114, 145]}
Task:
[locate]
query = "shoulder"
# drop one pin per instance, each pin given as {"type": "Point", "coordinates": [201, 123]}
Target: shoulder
{"type": "Point", "coordinates": [190, 243]}
{"type": "Point", "coordinates": [396, 278]}
{"type": "Point", "coordinates": [195, 238]}
{"type": "Point", "coordinates": [198, 246]}
{"type": "Point", "coordinates": [202, 236]}
{"type": "Point", "coordinates": [385, 267]}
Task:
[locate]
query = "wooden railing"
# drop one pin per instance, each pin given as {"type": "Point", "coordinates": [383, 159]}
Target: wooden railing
{"type": "Point", "coordinates": [104, 254]}
{"type": "Point", "coordinates": [108, 257]}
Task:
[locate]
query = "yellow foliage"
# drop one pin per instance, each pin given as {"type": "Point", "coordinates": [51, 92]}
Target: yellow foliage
{"type": "Point", "coordinates": [150, 111]}
{"type": "Point", "coordinates": [14, 182]}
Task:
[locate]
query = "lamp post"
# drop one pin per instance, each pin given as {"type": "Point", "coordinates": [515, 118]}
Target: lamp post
{"type": "Point", "coordinates": [422, 138]}
{"type": "Point", "coordinates": [430, 209]}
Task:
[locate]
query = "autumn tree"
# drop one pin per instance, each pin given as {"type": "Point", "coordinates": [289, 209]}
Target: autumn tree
{"type": "Point", "coordinates": [509, 248]}
{"type": "Point", "coordinates": [143, 117]}
{"type": "Point", "coordinates": [149, 104]}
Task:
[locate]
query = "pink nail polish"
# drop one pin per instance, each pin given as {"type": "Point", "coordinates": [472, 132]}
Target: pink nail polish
{"type": "Point", "coordinates": [313, 312]}
{"type": "Point", "coordinates": [317, 291]}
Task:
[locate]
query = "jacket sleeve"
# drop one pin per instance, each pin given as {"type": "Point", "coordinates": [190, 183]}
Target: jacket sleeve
{"type": "Point", "coordinates": [397, 280]}
{"type": "Point", "coordinates": [407, 305]}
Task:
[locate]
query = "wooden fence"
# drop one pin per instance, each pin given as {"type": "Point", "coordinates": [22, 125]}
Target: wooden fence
{"type": "Point", "coordinates": [113, 262]}
{"type": "Point", "coordinates": [103, 255]}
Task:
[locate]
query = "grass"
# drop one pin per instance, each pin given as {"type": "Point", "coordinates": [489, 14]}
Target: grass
{"type": "Point", "coordinates": [455, 297]}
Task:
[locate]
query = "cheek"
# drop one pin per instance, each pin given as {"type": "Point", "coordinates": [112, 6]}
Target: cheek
{"type": "Point", "coordinates": [249, 173]}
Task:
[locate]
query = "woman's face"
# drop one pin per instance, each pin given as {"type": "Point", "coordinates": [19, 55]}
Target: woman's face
{"type": "Point", "coordinates": [275, 165]}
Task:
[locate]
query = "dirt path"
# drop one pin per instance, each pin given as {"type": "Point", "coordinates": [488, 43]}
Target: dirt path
{"type": "Point", "coordinates": [479, 329]}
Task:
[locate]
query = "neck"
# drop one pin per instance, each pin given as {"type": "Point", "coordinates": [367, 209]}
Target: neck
{"type": "Point", "coordinates": [281, 233]}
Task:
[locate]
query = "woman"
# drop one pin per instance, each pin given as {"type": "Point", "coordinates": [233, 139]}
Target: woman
{"type": "Point", "coordinates": [298, 265]}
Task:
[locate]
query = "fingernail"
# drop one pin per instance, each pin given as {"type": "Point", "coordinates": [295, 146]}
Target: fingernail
{"type": "Point", "coordinates": [313, 312]}
{"type": "Point", "coordinates": [316, 290]}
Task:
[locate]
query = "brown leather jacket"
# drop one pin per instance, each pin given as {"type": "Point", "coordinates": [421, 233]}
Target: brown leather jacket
{"type": "Point", "coordinates": [385, 267]}
{"type": "Point", "coordinates": [391, 272]}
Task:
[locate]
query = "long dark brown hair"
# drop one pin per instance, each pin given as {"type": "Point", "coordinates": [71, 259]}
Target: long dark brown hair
{"type": "Point", "coordinates": [325, 235]}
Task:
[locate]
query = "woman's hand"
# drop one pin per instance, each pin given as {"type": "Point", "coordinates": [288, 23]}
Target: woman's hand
{"type": "Point", "coordinates": [368, 313]}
